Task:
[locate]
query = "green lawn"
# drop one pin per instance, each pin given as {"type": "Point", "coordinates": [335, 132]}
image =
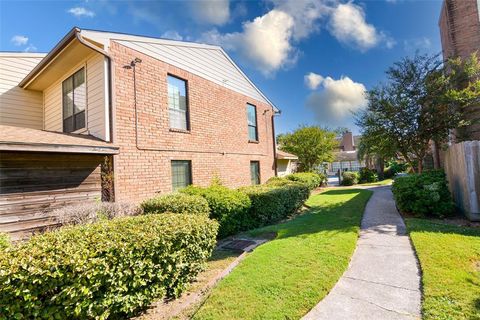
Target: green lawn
{"type": "Point", "coordinates": [286, 277]}
{"type": "Point", "coordinates": [450, 261]}
{"type": "Point", "coordinates": [378, 183]}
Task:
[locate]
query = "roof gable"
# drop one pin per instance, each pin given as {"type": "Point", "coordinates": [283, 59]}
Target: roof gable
{"type": "Point", "coordinates": [207, 61]}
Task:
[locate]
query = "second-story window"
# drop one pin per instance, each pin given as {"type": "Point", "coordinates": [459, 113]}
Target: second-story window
{"type": "Point", "coordinates": [74, 95]}
{"type": "Point", "coordinates": [252, 122]}
{"type": "Point", "coordinates": [177, 103]}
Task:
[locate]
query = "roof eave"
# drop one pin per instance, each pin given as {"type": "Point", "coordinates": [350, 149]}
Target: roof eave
{"type": "Point", "coordinates": [49, 57]}
{"type": "Point", "coordinates": [57, 148]}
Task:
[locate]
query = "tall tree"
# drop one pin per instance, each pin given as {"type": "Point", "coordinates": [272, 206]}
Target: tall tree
{"type": "Point", "coordinates": [311, 144]}
{"type": "Point", "coordinates": [421, 102]}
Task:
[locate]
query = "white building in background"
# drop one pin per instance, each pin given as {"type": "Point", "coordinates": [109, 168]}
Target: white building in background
{"type": "Point", "coordinates": [346, 156]}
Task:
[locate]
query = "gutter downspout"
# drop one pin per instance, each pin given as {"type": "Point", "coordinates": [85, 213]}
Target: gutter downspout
{"type": "Point", "coordinates": [110, 99]}
{"type": "Point", "coordinates": [275, 113]}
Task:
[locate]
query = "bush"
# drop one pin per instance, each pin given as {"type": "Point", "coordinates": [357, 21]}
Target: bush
{"type": "Point", "coordinates": [349, 178]}
{"type": "Point", "coordinates": [90, 212]}
{"type": "Point", "coordinates": [275, 201]}
{"type": "Point", "coordinates": [109, 269]}
{"type": "Point", "coordinates": [4, 241]}
{"type": "Point", "coordinates": [229, 207]}
{"type": "Point", "coordinates": [367, 175]}
{"type": "Point", "coordinates": [423, 194]}
{"type": "Point", "coordinates": [312, 180]}
{"type": "Point", "coordinates": [177, 203]}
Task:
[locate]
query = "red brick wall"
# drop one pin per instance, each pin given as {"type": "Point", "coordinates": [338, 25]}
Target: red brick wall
{"type": "Point", "coordinates": [217, 143]}
{"type": "Point", "coordinates": [459, 28]}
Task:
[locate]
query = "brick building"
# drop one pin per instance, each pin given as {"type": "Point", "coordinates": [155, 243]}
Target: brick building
{"type": "Point", "coordinates": [460, 34]}
{"type": "Point", "coordinates": [165, 113]}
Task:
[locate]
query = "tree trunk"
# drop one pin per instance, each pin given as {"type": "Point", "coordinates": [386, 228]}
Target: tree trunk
{"type": "Point", "coordinates": [436, 155]}
{"type": "Point", "coordinates": [380, 166]}
{"type": "Point", "coordinates": [420, 165]}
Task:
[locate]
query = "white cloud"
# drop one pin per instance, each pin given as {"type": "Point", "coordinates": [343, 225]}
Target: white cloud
{"type": "Point", "coordinates": [337, 99]}
{"type": "Point", "coordinates": [313, 80]}
{"type": "Point", "coordinates": [265, 41]}
{"type": "Point", "coordinates": [422, 43]}
{"type": "Point", "coordinates": [216, 12]}
{"type": "Point", "coordinates": [305, 13]}
{"type": "Point", "coordinates": [30, 48]}
{"type": "Point", "coordinates": [19, 40]}
{"type": "Point", "coordinates": [348, 25]}
{"type": "Point", "coordinates": [81, 12]}
{"type": "Point", "coordinates": [269, 42]}
{"type": "Point", "coordinates": [171, 34]}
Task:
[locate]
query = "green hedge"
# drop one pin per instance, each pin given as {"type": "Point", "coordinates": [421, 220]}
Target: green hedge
{"type": "Point", "coordinates": [312, 180]}
{"type": "Point", "coordinates": [423, 194]}
{"type": "Point", "coordinates": [109, 269]}
{"type": "Point", "coordinates": [274, 201]}
{"type": "Point", "coordinates": [367, 175]}
{"type": "Point", "coordinates": [4, 241]}
{"type": "Point", "coordinates": [349, 178]}
{"type": "Point", "coordinates": [177, 203]}
{"type": "Point", "coordinates": [229, 207]}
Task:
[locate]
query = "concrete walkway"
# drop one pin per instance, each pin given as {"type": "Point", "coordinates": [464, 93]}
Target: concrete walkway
{"type": "Point", "coordinates": [382, 281]}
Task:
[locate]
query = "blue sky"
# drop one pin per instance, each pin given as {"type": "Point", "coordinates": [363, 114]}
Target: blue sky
{"type": "Point", "coordinates": [313, 58]}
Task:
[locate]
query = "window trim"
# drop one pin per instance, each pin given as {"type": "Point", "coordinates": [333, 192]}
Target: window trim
{"type": "Point", "coordinates": [259, 172]}
{"type": "Point", "coordinates": [256, 124]}
{"type": "Point", "coordinates": [65, 78]}
{"type": "Point", "coordinates": [187, 102]}
{"type": "Point", "coordinates": [190, 171]}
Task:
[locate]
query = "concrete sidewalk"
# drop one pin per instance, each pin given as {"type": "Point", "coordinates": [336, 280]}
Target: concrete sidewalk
{"type": "Point", "coordinates": [383, 279]}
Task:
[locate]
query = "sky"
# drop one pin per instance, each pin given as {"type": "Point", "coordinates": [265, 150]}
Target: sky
{"type": "Point", "coordinates": [314, 59]}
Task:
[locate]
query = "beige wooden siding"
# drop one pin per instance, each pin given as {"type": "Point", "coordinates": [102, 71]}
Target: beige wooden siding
{"type": "Point", "coordinates": [97, 108]}
{"type": "Point", "coordinates": [19, 107]}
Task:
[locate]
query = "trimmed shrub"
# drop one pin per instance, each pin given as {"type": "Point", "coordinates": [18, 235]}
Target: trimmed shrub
{"type": "Point", "coordinates": [423, 194]}
{"type": "Point", "coordinates": [367, 175]}
{"type": "Point", "coordinates": [4, 241]}
{"type": "Point", "coordinates": [229, 207]}
{"type": "Point", "coordinates": [275, 179]}
{"type": "Point", "coordinates": [90, 212]}
{"type": "Point", "coordinates": [177, 203]}
{"type": "Point", "coordinates": [312, 180]}
{"type": "Point", "coordinates": [349, 178]}
{"type": "Point", "coordinates": [109, 269]}
{"type": "Point", "coordinates": [275, 201]}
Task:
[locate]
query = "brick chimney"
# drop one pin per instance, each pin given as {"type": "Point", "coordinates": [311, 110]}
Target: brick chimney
{"type": "Point", "coordinates": [347, 142]}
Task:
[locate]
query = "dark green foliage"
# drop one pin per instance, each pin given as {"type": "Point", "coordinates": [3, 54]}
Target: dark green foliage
{"type": "Point", "coordinates": [4, 241]}
{"type": "Point", "coordinates": [423, 194]}
{"type": "Point", "coordinates": [229, 207]}
{"type": "Point", "coordinates": [349, 178]}
{"type": "Point", "coordinates": [177, 203]}
{"type": "Point", "coordinates": [109, 269]}
{"type": "Point", "coordinates": [311, 179]}
{"type": "Point", "coordinates": [394, 168]}
{"type": "Point", "coordinates": [274, 201]}
{"type": "Point", "coordinates": [367, 175]}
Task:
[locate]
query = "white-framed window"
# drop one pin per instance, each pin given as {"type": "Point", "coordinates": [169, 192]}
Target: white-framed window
{"type": "Point", "coordinates": [74, 101]}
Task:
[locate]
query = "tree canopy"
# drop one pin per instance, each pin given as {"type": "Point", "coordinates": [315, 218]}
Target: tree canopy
{"type": "Point", "coordinates": [421, 102]}
{"type": "Point", "coordinates": [311, 144]}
